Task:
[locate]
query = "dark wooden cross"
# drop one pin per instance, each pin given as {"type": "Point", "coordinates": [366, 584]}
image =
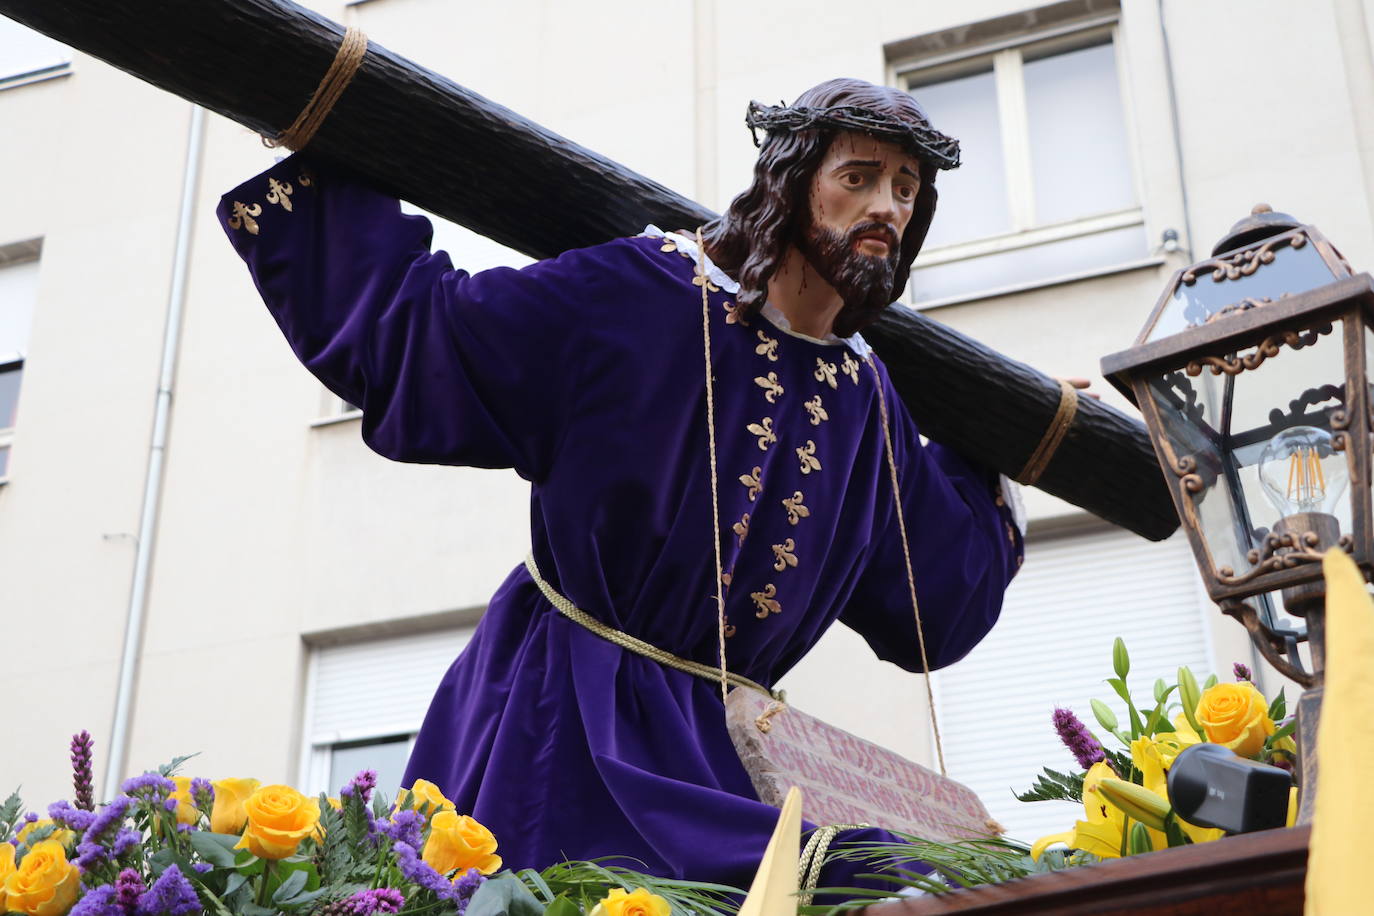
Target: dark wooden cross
{"type": "Point", "coordinates": [422, 137]}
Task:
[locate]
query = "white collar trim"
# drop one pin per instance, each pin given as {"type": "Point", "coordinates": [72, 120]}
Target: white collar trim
{"type": "Point", "coordinates": [688, 244]}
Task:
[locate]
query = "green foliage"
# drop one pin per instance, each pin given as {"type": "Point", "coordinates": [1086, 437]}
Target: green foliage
{"type": "Point", "coordinates": [1051, 785]}
{"type": "Point", "coordinates": [9, 815]}
{"type": "Point", "coordinates": [585, 883]}
{"type": "Point", "coordinates": [1279, 708]}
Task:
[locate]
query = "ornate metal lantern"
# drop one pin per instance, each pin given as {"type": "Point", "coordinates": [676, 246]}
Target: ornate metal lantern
{"type": "Point", "coordinates": [1252, 376]}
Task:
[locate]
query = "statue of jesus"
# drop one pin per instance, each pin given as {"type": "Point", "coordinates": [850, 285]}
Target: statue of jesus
{"type": "Point", "coordinates": [711, 448]}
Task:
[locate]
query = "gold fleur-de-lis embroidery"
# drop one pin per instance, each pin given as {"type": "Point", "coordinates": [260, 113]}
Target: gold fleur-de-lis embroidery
{"type": "Point", "coordinates": [764, 431]}
{"type": "Point", "coordinates": [741, 528]}
{"type": "Point", "coordinates": [734, 315]}
{"type": "Point", "coordinates": [243, 217]}
{"type": "Point", "coordinates": [279, 192]}
{"type": "Point", "coordinates": [807, 454]}
{"type": "Point", "coordinates": [825, 372]}
{"type": "Point", "coordinates": [766, 601]}
{"type": "Point", "coordinates": [700, 280]}
{"type": "Point", "coordinates": [783, 555]}
{"type": "Point", "coordinates": [796, 511]}
{"type": "Point", "coordinates": [817, 411]}
{"type": "Point", "coordinates": [771, 389]}
{"type": "Point", "coordinates": [851, 368]}
{"type": "Point", "coordinates": [305, 179]}
{"type": "Point", "coordinates": [768, 347]}
{"type": "Point", "coordinates": [752, 482]}
{"type": "Point", "coordinates": [668, 245]}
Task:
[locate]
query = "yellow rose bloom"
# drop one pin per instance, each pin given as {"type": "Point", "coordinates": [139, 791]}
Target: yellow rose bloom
{"type": "Point", "coordinates": [279, 817]}
{"type": "Point", "coordinates": [44, 884]}
{"type": "Point", "coordinates": [637, 903]}
{"type": "Point", "coordinates": [187, 812]}
{"type": "Point", "coordinates": [461, 843]}
{"type": "Point", "coordinates": [227, 814]}
{"type": "Point", "coordinates": [63, 835]}
{"type": "Point", "coordinates": [424, 793]}
{"type": "Point", "coordinates": [1235, 716]}
{"type": "Point", "coordinates": [6, 869]}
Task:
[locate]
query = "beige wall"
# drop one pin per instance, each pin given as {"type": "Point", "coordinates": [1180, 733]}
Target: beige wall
{"type": "Point", "coordinates": [272, 527]}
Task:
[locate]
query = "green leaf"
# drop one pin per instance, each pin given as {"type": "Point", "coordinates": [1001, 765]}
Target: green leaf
{"type": "Point", "coordinates": [504, 895]}
{"type": "Point", "coordinates": [1283, 732]}
{"type": "Point", "coordinates": [1210, 682]}
{"type": "Point", "coordinates": [1054, 786]}
{"type": "Point", "coordinates": [9, 813]}
{"type": "Point", "coordinates": [252, 909]}
{"type": "Point", "coordinates": [290, 887]}
{"type": "Point", "coordinates": [1190, 696]}
{"type": "Point", "coordinates": [302, 899]}
{"type": "Point", "coordinates": [1105, 717]}
{"type": "Point", "coordinates": [168, 769]}
{"type": "Point", "coordinates": [562, 906]}
{"type": "Point", "coordinates": [1173, 832]}
{"type": "Point", "coordinates": [1279, 708]}
{"type": "Point", "coordinates": [1161, 690]}
{"type": "Point", "coordinates": [1121, 659]}
{"type": "Point", "coordinates": [1137, 726]}
{"type": "Point", "coordinates": [237, 880]}
{"type": "Point", "coordinates": [215, 848]}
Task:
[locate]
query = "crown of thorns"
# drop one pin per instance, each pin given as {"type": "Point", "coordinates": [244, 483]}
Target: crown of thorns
{"type": "Point", "coordinates": [927, 143]}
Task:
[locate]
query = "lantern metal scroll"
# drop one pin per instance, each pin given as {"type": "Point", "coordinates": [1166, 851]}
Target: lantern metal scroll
{"type": "Point", "coordinates": [1252, 376]}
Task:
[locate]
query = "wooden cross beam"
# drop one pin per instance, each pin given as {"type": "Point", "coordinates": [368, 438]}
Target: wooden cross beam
{"type": "Point", "coordinates": [424, 138]}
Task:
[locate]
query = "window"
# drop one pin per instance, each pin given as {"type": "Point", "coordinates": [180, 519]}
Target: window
{"type": "Point", "coordinates": [27, 56]}
{"type": "Point", "coordinates": [18, 292]}
{"type": "Point", "coordinates": [364, 704]}
{"type": "Point", "coordinates": [1046, 191]}
{"type": "Point", "coordinates": [1052, 646]}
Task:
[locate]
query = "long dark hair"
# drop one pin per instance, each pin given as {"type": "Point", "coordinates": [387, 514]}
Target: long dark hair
{"type": "Point", "coordinates": [750, 241]}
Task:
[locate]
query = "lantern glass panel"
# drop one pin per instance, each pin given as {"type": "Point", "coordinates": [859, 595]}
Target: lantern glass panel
{"type": "Point", "coordinates": [1252, 443]}
{"type": "Point", "coordinates": [1291, 270]}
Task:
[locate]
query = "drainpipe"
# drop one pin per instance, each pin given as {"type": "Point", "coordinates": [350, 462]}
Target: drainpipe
{"type": "Point", "coordinates": [152, 486]}
{"type": "Point", "coordinates": [1178, 136]}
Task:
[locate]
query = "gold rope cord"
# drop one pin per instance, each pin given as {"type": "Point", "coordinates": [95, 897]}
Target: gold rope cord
{"type": "Point", "coordinates": [633, 643]}
{"type": "Point", "coordinates": [813, 857]}
{"type": "Point", "coordinates": [702, 275]}
{"type": "Point", "coordinates": [336, 79]}
{"type": "Point", "coordinates": [906, 553]}
{"type": "Point", "coordinates": [1054, 435]}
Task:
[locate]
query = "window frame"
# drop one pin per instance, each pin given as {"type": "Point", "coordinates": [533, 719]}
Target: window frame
{"type": "Point", "coordinates": [1006, 55]}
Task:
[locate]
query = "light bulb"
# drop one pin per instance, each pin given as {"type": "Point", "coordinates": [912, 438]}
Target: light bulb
{"type": "Point", "coordinates": [1301, 472]}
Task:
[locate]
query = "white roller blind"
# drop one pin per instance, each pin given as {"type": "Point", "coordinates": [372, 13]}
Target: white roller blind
{"type": "Point", "coordinates": [380, 687]}
{"type": "Point", "coordinates": [18, 293]}
{"type": "Point", "coordinates": [1052, 647]}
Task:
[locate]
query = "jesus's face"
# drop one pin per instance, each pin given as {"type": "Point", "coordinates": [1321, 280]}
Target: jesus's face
{"type": "Point", "coordinates": [862, 197]}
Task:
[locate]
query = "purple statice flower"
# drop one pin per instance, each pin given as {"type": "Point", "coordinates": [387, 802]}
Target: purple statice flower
{"type": "Point", "coordinates": [83, 776]}
{"type": "Point", "coordinates": [150, 786]}
{"type": "Point", "coordinates": [202, 794]}
{"type": "Point", "coordinates": [362, 784]}
{"type": "Point", "coordinates": [92, 848]}
{"type": "Point", "coordinates": [418, 871]}
{"type": "Point", "coordinates": [405, 827]}
{"type": "Point", "coordinates": [369, 902]}
{"type": "Point", "coordinates": [170, 805]}
{"type": "Point", "coordinates": [128, 888]}
{"type": "Point", "coordinates": [64, 815]}
{"type": "Point", "coordinates": [464, 886]}
{"type": "Point", "coordinates": [127, 839]}
{"type": "Point", "coordinates": [170, 895]}
{"type": "Point", "coordinates": [29, 818]}
{"type": "Point", "coordinates": [98, 901]}
{"type": "Point", "coordinates": [1242, 672]}
{"type": "Point", "coordinates": [201, 868]}
{"type": "Point", "coordinates": [1076, 737]}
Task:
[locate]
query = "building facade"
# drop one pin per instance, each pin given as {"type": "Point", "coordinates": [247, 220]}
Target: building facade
{"type": "Point", "coordinates": [300, 596]}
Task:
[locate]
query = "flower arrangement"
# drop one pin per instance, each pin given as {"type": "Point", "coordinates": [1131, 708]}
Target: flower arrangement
{"type": "Point", "coordinates": [1125, 793]}
{"type": "Point", "coordinates": [169, 845]}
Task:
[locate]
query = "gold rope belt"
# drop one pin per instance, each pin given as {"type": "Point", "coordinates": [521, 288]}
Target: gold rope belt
{"type": "Point", "coordinates": [638, 646]}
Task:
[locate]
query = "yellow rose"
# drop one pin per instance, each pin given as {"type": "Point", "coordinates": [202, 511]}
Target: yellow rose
{"type": "Point", "coordinates": [62, 835]}
{"type": "Point", "coordinates": [187, 812]}
{"type": "Point", "coordinates": [6, 869]}
{"type": "Point", "coordinates": [227, 814]}
{"type": "Point", "coordinates": [279, 817]}
{"type": "Point", "coordinates": [44, 884]}
{"type": "Point", "coordinates": [424, 793]}
{"type": "Point", "coordinates": [461, 843]}
{"type": "Point", "coordinates": [637, 903]}
{"type": "Point", "coordinates": [1235, 716]}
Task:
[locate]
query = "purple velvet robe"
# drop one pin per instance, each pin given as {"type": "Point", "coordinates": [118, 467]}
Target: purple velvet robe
{"type": "Point", "coordinates": [585, 373]}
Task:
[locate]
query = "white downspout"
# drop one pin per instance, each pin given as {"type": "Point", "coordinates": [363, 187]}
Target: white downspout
{"type": "Point", "coordinates": [152, 487]}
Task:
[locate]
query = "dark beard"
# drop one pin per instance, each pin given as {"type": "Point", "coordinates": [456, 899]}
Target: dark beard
{"type": "Point", "coordinates": [863, 281]}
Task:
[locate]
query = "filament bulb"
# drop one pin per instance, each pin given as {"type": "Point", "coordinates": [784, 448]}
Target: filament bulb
{"type": "Point", "coordinates": [1301, 472]}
